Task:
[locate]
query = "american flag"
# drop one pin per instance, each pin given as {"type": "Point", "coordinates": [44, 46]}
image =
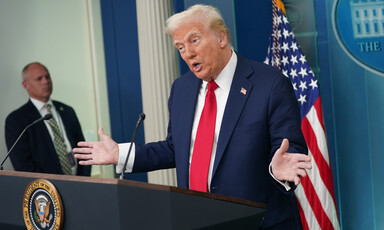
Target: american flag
{"type": "Point", "coordinates": [315, 195]}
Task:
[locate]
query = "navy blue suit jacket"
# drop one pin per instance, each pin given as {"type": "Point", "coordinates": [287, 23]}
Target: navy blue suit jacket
{"type": "Point", "coordinates": [35, 151]}
{"type": "Point", "coordinates": [252, 129]}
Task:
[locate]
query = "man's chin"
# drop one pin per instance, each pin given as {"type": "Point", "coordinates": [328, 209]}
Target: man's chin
{"type": "Point", "coordinates": [202, 76]}
{"type": "Point", "coordinates": [47, 96]}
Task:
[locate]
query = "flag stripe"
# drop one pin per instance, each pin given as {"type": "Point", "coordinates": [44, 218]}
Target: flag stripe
{"type": "Point", "coordinates": [320, 112]}
{"type": "Point", "coordinates": [314, 202]}
{"type": "Point", "coordinates": [323, 167]}
{"type": "Point", "coordinates": [325, 197]}
{"type": "Point", "coordinates": [326, 175]}
{"type": "Point", "coordinates": [319, 132]}
{"type": "Point", "coordinates": [306, 213]}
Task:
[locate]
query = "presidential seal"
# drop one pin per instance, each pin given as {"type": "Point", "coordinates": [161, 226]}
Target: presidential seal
{"type": "Point", "coordinates": [42, 206]}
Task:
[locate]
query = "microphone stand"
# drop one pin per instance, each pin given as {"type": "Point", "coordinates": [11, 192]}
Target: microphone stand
{"type": "Point", "coordinates": [141, 119]}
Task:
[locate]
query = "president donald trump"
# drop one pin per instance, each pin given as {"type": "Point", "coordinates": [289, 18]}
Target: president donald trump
{"type": "Point", "coordinates": [234, 125]}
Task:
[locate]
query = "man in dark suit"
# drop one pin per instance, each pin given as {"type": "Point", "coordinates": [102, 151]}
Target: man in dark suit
{"type": "Point", "coordinates": [255, 114]}
{"type": "Point", "coordinates": [43, 148]}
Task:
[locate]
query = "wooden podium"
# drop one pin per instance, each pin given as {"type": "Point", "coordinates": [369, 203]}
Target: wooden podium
{"type": "Point", "coordinates": [99, 203]}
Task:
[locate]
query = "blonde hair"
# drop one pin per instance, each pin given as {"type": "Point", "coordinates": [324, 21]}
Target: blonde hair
{"type": "Point", "coordinates": [208, 14]}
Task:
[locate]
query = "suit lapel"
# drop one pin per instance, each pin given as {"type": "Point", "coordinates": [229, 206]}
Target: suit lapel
{"type": "Point", "coordinates": [33, 112]}
{"type": "Point", "coordinates": [59, 109]}
{"type": "Point", "coordinates": [240, 90]}
{"type": "Point", "coordinates": [184, 116]}
{"type": "Point", "coordinates": [62, 112]}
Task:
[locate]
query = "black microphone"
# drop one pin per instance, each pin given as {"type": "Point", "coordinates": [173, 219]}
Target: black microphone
{"type": "Point", "coordinates": [46, 117]}
{"type": "Point", "coordinates": [141, 119]}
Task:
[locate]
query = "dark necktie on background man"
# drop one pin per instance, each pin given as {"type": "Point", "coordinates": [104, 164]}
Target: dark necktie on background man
{"type": "Point", "coordinates": [201, 156]}
{"type": "Point", "coordinates": [59, 143]}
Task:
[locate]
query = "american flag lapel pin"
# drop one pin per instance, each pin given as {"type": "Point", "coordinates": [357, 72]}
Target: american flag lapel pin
{"type": "Point", "coordinates": [243, 91]}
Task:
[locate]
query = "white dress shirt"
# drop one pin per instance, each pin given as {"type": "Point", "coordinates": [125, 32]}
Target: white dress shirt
{"type": "Point", "coordinates": [224, 81]}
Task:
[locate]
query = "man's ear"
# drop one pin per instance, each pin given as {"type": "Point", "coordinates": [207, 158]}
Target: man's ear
{"type": "Point", "coordinates": [24, 84]}
{"type": "Point", "coordinates": [223, 39]}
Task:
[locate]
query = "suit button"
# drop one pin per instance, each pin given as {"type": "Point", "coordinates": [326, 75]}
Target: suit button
{"type": "Point", "coordinates": [213, 188]}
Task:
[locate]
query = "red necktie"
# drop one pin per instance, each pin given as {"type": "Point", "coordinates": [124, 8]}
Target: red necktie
{"type": "Point", "coordinates": [202, 149]}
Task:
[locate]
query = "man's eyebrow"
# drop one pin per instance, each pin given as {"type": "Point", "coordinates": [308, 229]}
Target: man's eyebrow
{"type": "Point", "coordinates": [186, 37]}
{"type": "Point", "coordinates": [191, 33]}
{"type": "Point", "coordinates": [176, 42]}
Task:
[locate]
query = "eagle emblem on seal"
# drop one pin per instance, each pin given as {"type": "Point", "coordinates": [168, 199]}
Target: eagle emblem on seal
{"type": "Point", "coordinates": [41, 213]}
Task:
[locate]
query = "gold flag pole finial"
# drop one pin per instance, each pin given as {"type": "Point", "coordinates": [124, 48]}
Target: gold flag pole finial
{"type": "Point", "coordinates": [280, 4]}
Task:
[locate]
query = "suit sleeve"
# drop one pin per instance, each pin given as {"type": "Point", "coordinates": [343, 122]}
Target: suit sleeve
{"type": "Point", "coordinates": [21, 155]}
{"type": "Point", "coordinates": [285, 122]}
{"type": "Point", "coordinates": [284, 117]}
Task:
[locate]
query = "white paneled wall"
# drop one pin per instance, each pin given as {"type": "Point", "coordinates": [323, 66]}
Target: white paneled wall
{"type": "Point", "coordinates": [159, 68]}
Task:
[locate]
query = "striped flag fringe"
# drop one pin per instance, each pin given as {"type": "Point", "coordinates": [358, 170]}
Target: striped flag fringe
{"type": "Point", "coordinates": [315, 195]}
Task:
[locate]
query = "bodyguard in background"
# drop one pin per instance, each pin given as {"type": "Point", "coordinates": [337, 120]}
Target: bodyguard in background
{"type": "Point", "coordinates": [45, 147]}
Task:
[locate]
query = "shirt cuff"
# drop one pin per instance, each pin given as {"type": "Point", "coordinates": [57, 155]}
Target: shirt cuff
{"type": "Point", "coordinates": [285, 184]}
{"type": "Point", "coordinates": [123, 153]}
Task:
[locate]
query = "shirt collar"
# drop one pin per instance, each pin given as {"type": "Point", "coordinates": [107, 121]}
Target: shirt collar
{"type": "Point", "coordinates": [224, 80]}
{"type": "Point", "coordinates": [39, 104]}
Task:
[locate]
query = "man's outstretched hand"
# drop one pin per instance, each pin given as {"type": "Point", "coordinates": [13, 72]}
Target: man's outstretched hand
{"type": "Point", "coordinates": [102, 152]}
{"type": "Point", "coordinates": [289, 166]}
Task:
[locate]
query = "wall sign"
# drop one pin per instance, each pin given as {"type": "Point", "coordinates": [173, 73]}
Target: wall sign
{"type": "Point", "coordinates": [359, 28]}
